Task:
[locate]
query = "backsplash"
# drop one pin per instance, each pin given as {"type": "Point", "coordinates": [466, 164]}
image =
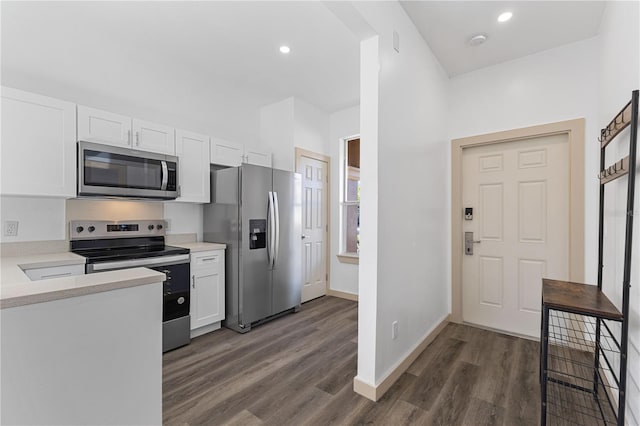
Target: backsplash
{"type": "Point", "coordinates": [47, 219]}
{"type": "Point", "coordinates": [89, 209]}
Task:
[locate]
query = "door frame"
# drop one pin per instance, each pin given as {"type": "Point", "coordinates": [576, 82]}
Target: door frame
{"type": "Point", "coordinates": [299, 153]}
{"type": "Point", "coordinates": [574, 129]}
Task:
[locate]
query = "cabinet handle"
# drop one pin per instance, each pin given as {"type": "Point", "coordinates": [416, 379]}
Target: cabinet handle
{"type": "Point", "coordinates": [63, 274]}
{"type": "Point", "coordinates": [129, 137]}
{"type": "Point", "coordinates": [209, 259]}
{"type": "Point", "coordinates": [137, 138]}
{"type": "Point", "coordinates": [193, 281]}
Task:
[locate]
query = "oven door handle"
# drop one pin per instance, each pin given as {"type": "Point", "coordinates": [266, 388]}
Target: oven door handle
{"type": "Point", "coordinates": [133, 263]}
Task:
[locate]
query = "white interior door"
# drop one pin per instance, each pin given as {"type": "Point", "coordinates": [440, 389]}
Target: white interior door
{"type": "Point", "coordinates": [519, 193]}
{"type": "Point", "coordinates": [314, 227]}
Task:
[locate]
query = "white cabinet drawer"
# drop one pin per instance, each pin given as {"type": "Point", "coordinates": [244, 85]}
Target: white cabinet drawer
{"type": "Point", "coordinates": [207, 260]}
{"type": "Point", "coordinates": [36, 274]}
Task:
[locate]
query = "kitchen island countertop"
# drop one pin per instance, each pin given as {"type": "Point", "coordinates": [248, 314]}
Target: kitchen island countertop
{"type": "Point", "coordinates": [16, 289]}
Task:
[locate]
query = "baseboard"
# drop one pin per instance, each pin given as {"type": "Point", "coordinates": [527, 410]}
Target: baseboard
{"type": "Point", "coordinates": [374, 393]}
{"type": "Point", "coordinates": [342, 295]}
{"type": "Point", "coordinates": [206, 329]}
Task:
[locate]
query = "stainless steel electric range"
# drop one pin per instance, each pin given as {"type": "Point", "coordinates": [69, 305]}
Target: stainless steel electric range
{"type": "Point", "coordinates": [109, 246]}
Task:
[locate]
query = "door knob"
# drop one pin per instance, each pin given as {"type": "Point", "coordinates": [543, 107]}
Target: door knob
{"type": "Point", "coordinates": [304, 236]}
{"type": "Point", "coordinates": [469, 242]}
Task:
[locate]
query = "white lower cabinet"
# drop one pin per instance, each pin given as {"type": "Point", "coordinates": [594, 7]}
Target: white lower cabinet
{"type": "Point", "coordinates": [207, 291]}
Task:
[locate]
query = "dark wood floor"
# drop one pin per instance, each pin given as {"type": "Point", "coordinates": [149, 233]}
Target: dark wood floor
{"type": "Point", "coordinates": [299, 370]}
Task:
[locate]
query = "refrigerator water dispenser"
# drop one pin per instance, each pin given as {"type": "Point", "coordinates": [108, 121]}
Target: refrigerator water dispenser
{"type": "Point", "coordinates": [257, 234]}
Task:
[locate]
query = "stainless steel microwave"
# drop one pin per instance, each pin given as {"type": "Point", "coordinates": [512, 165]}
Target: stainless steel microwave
{"type": "Point", "coordinates": [111, 171]}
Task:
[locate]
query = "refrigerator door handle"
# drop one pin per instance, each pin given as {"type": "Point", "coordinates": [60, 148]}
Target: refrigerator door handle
{"type": "Point", "coordinates": [277, 233]}
{"type": "Point", "coordinates": [271, 231]}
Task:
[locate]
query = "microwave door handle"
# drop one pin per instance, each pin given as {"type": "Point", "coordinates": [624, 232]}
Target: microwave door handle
{"type": "Point", "coordinates": [165, 175]}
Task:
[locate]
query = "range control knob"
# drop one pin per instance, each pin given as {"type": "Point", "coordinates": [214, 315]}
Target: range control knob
{"type": "Point", "coordinates": [79, 229]}
{"type": "Point", "coordinates": [150, 227]}
{"type": "Point", "coordinates": [91, 228]}
{"type": "Point", "coordinates": [159, 226]}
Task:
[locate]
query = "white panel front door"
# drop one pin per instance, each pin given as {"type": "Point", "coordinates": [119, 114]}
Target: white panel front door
{"type": "Point", "coordinates": [314, 227]}
{"type": "Point", "coordinates": [519, 192]}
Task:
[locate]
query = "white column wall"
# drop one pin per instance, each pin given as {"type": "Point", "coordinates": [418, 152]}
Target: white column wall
{"type": "Point", "coordinates": [405, 251]}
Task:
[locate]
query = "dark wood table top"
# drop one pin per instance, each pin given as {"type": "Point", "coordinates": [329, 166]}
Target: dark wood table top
{"type": "Point", "coordinates": [578, 298]}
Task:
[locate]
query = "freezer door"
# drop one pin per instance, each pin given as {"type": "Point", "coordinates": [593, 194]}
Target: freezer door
{"type": "Point", "coordinates": [256, 276]}
{"type": "Point", "coordinates": [220, 225]}
{"type": "Point", "coordinates": [287, 270]}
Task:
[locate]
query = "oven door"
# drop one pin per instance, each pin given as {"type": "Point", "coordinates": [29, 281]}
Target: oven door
{"type": "Point", "coordinates": [121, 172]}
{"type": "Point", "coordinates": [176, 291]}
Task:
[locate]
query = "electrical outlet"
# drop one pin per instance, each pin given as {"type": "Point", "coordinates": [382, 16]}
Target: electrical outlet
{"type": "Point", "coordinates": [11, 228]}
{"type": "Point", "coordinates": [394, 330]}
{"type": "Point", "coordinates": [168, 227]}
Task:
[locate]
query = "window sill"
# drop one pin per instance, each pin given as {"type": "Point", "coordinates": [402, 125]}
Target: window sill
{"type": "Point", "coordinates": [352, 258]}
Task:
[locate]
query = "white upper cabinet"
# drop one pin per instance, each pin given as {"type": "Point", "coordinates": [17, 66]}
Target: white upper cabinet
{"type": "Point", "coordinates": [257, 157]}
{"type": "Point", "coordinates": [153, 137]}
{"type": "Point", "coordinates": [105, 127]}
{"type": "Point", "coordinates": [192, 150]}
{"type": "Point", "coordinates": [227, 153]}
{"type": "Point", "coordinates": [38, 145]}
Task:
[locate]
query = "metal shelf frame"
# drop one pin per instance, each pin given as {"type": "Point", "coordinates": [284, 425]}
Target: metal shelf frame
{"type": "Point", "coordinates": [583, 352]}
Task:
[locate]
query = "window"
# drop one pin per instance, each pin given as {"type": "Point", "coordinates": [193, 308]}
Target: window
{"type": "Point", "coordinates": [350, 203]}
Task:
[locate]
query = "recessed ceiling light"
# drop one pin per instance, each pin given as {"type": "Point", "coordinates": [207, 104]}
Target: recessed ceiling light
{"type": "Point", "coordinates": [285, 49]}
{"type": "Point", "coordinates": [477, 39]}
{"type": "Point", "coordinates": [504, 17]}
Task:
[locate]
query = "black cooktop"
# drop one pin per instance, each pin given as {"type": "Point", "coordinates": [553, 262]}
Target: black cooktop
{"type": "Point", "coordinates": [124, 249]}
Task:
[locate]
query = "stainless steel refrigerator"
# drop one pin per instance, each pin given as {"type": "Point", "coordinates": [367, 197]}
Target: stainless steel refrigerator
{"type": "Point", "coordinates": [256, 211]}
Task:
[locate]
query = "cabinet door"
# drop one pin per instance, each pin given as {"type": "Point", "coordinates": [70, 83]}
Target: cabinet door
{"type": "Point", "coordinates": [207, 307]}
{"type": "Point", "coordinates": [153, 137]}
{"type": "Point", "coordinates": [257, 157]}
{"type": "Point", "coordinates": [104, 127]}
{"type": "Point", "coordinates": [226, 153]}
{"type": "Point", "coordinates": [192, 150]}
{"type": "Point", "coordinates": [207, 288]}
{"type": "Point", "coordinates": [38, 145]}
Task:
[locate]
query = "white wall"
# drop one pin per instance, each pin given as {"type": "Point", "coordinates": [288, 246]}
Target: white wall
{"type": "Point", "coordinates": [311, 127]}
{"type": "Point", "coordinates": [40, 219]}
{"type": "Point", "coordinates": [184, 218]}
{"type": "Point", "coordinates": [407, 160]}
{"type": "Point", "coordinates": [342, 124]}
{"type": "Point", "coordinates": [293, 123]}
{"type": "Point", "coordinates": [554, 85]}
{"type": "Point", "coordinates": [277, 132]}
{"type": "Point", "coordinates": [619, 59]}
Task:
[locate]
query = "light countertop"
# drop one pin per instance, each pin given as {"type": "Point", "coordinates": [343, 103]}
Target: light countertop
{"type": "Point", "coordinates": [16, 289]}
{"type": "Point", "coordinates": [201, 246]}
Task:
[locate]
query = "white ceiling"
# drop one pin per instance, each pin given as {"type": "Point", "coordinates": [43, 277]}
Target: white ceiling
{"type": "Point", "coordinates": [208, 49]}
{"type": "Point", "coordinates": [447, 27]}
{"type": "Point", "coordinates": [228, 50]}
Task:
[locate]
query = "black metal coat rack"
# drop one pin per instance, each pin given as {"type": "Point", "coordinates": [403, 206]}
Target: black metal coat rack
{"type": "Point", "coordinates": [584, 337]}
